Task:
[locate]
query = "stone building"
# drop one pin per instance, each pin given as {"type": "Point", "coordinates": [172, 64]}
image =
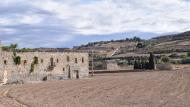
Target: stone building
{"type": "Point", "coordinates": [112, 65]}
{"type": "Point", "coordinates": [38, 66]}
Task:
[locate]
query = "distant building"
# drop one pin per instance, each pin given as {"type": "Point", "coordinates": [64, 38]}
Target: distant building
{"type": "Point", "coordinates": [112, 65]}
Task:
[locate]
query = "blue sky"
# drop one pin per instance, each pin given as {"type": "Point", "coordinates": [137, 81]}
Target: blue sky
{"type": "Point", "coordinates": [65, 23]}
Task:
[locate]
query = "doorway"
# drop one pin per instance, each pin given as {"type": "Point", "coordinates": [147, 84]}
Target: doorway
{"type": "Point", "coordinates": [51, 61]}
{"type": "Point", "coordinates": [77, 74]}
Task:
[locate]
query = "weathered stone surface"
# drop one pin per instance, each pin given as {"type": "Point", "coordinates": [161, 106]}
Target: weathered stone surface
{"type": "Point", "coordinates": [51, 65]}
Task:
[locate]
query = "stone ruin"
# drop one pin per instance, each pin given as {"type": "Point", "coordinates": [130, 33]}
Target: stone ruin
{"type": "Point", "coordinates": [42, 66]}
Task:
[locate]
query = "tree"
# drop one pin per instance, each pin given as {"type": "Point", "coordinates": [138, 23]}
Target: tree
{"type": "Point", "coordinates": [11, 47]}
{"type": "Point", "coordinates": [140, 45]}
{"type": "Point", "coordinates": [136, 65]}
{"type": "Point", "coordinates": [137, 39]}
{"type": "Point", "coordinates": [151, 61]}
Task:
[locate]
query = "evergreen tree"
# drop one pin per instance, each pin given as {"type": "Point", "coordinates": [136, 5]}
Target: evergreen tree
{"type": "Point", "coordinates": [136, 65]}
{"type": "Point", "coordinates": [151, 61]}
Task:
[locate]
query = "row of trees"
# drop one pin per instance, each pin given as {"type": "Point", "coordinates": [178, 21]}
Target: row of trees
{"type": "Point", "coordinates": [134, 39]}
{"type": "Point", "coordinates": [14, 48]}
{"type": "Point", "coordinates": [144, 64]}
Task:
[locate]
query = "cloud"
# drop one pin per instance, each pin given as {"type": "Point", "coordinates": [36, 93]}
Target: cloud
{"type": "Point", "coordinates": [58, 22]}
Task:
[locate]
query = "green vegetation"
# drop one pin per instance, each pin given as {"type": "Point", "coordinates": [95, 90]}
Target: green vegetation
{"type": "Point", "coordinates": [16, 59]}
{"type": "Point", "coordinates": [11, 47]}
{"type": "Point", "coordinates": [134, 39]}
{"type": "Point", "coordinates": [32, 68]}
{"type": "Point", "coordinates": [188, 54]}
{"type": "Point", "coordinates": [184, 56]}
{"type": "Point", "coordinates": [14, 48]}
{"type": "Point", "coordinates": [35, 62]}
{"type": "Point", "coordinates": [140, 45]}
{"type": "Point", "coordinates": [165, 59]}
{"type": "Point", "coordinates": [25, 50]}
{"type": "Point", "coordinates": [151, 61]}
{"type": "Point", "coordinates": [144, 64]}
{"type": "Point", "coordinates": [185, 61]}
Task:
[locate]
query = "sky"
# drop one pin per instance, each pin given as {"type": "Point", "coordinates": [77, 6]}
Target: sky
{"type": "Point", "coordinates": [67, 23]}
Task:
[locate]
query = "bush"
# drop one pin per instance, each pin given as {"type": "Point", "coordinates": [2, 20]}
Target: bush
{"type": "Point", "coordinates": [165, 59]}
{"type": "Point", "coordinates": [32, 68]}
{"type": "Point", "coordinates": [188, 54]}
{"type": "Point", "coordinates": [184, 56]}
{"type": "Point", "coordinates": [17, 60]}
{"type": "Point", "coordinates": [35, 60]}
{"type": "Point", "coordinates": [140, 45]}
{"type": "Point", "coordinates": [185, 61]}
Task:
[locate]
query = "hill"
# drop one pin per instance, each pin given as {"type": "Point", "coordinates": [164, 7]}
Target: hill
{"type": "Point", "coordinates": [171, 43]}
{"type": "Point", "coordinates": [163, 44]}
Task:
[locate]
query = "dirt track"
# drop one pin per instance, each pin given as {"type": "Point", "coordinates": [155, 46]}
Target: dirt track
{"type": "Point", "coordinates": [135, 89]}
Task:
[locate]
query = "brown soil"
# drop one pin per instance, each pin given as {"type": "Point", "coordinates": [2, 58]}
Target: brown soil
{"type": "Point", "coordinates": [134, 89]}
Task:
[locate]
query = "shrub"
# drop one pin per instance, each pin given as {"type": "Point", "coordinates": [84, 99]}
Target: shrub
{"type": "Point", "coordinates": [32, 68]}
{"type": "Point", "coordinates": [16, 59]}
{"type": "Point", "coordinates": [140, 45]}
{"type": "Point", "coordinates": [186, 61]}
{"type": "Point", "coordinates": [165, 59]}
{"type": "Point", "coordinates": [183, 56]}
{"type": "Point", "coordinates": [188, 54]}
{"type": "Point", "coordinates": [35, 60]}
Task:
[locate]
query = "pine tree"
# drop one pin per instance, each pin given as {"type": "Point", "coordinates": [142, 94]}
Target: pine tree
{"type": "Point", "coordinates": [151, 61]}
{"type": "Point", "coordinates": [135, 65]}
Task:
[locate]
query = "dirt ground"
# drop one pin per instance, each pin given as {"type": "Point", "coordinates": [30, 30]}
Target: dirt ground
{"type": "Point", "coordinates": [133, 89]}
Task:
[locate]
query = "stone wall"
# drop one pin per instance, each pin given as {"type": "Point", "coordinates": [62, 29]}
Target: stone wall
{"type": "Point", "coordinates": [50, 65]}
{"type": "Point", "coordinates": [112, 65]}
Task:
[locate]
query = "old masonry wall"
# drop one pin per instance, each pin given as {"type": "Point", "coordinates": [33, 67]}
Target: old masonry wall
{"type": "Point", "coordinates": [47, 66]}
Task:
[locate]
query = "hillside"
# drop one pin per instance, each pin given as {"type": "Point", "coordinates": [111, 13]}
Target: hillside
{"type": "Point", "coordinates": [162, 44]}
{"type": "Point", "coordinates": [171, 43]}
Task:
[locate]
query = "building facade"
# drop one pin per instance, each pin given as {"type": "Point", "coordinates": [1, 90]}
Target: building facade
{"type": "Point", "coordinates": [39, 66]}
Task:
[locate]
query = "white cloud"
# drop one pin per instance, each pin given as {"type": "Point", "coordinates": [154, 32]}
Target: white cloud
{"type": "Point", "coordinates": [31, 19]}
{"type": "Point", "coordinates": [113, 16]}
{"type": "Point", "coordinates": [64, 18]}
